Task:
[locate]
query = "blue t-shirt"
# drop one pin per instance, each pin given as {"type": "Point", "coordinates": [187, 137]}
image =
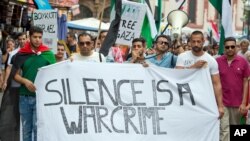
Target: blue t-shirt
{"type": "Point", "coordinates": [168, 60]}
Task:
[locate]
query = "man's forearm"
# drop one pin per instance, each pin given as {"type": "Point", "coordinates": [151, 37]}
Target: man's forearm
{"type": "Point", "coordinates": [245, 92]}
{"type": "Point", "coordinates": [218, 95]}
{"type": "Point", "coordinates": [19, 78]}
{"type": "Point", "coordinates": [217, 89]}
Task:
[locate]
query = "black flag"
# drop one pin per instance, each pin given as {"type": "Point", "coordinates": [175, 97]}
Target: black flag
{"type": "Point", "coordinates": [113, 30]}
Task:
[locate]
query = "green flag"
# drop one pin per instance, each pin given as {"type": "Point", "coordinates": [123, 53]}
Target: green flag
{"type": "Point", "coordinates": [150, 28]}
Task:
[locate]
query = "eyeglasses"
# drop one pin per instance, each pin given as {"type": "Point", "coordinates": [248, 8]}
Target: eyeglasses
{"type": "Point", "coordinates": [227, 47]}
{"type": "Point", "coordinates": [84, 43]}
{"type": "Point", "coordinates": [161, 43]}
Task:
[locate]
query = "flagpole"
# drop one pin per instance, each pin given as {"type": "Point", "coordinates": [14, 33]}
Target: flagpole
{"type": "Point", "coordinates": [168, 23]}
{"type": "Point", "coordinates": [99, 28]}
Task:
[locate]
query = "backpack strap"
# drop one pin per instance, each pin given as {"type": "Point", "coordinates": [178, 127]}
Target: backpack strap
{"type": "Point", "coordinates": [100, 57]}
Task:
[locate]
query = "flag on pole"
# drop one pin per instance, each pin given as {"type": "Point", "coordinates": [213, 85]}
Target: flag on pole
{"type": "Point", "coordinates": [149, 30]}
{"type": "Point", "coordinates": [215, 30]}
{"type": "Point", "coordinates": [113, 29]}
{"type": "Point", "coordinates": [150, 27]}
{"type": "Point", "coordinates": [225, 10]}
{"type": "Point", "coordinates": [158, 16]}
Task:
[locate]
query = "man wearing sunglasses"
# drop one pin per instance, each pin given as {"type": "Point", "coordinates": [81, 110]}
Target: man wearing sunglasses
{"type": "Point", "coordinates": [87, 53]}
{"type": "Point", "coordinates": [234, 73]}
{"type": "Point", "coordinates": [162, 57]}
{"type": "Point", "coordinates": [197, 59]}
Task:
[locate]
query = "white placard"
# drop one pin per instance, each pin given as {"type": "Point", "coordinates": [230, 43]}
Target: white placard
{"type": "Point", "coordinates": [79, 101]}
{"type": "Point", "coordinates": [47, 20]}
{"type": "Point", "coordinates": [132, 18]}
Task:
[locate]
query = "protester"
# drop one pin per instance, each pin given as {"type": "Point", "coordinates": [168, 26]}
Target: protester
{"type": "Point", "coordinates": [215, 48]}
{"type": "Point", "coordinates": [87, 52]}
{"type": "Point", "coordinates": [178, 48]}
{"type": "Point", "coordinates": [60, 54]}
{"type": "Point", "coordinates": [138, 43]}
{"type": "Point", "coordinates": [103, 35]}
{"type": "Point", "coordinates": [243, 48]}
{"type": "Point", "coordinates": [72, 44]}
{"type": "Point", "coordinates": [234, 73]}
{"type": "Point", "coordinates": [28, 60]}
{"type": "Point", "coordinates": [21, 37]}
{"type": "Point", "coordinates": [9, 127]}
{"type": "Point", "coordinates": [97, 43]}
{"type": "Point", "coordinates": [186, 47]}
{"type": "Point", "coordinates": [10, 46]}
{"type": "Point", "coordinates": [138, 52]}
{"type": "Point", "coordinates": [197, 59]}
{"type": "Point", "coordinates": [163, 57]}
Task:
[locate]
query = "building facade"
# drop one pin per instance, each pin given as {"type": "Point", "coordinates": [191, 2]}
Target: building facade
{"type": "Point", "coordinates": [200, 12]}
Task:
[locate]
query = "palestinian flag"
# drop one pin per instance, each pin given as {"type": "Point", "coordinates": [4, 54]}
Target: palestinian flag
{"type": "Point", "coordinates": [114, 28]}
{"type": "Point", "coordinates": [151, 24]}
{"type": "Point", "coordinates": [225, 10]}
{"type": "Point", "coordinates": [149, 30]}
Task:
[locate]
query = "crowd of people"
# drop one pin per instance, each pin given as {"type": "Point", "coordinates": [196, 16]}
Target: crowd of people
{"type": "Point", "coordinates": [229, 72]}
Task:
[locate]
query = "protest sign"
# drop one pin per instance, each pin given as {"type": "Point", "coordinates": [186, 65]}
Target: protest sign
{"type": "Point", "coordinates": [133, 15]}
{"type": "Point", "coordinates": [98, 101]}
{"type": "Point", "coordinates": [47, 20]}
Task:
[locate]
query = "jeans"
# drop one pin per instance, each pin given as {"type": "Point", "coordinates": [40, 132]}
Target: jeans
{"type": "Point", "coordinates": [27, 108]}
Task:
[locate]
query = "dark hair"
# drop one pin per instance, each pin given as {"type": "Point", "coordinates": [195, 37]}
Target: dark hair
{"type": "Point", "coordinates": [139, 40]}
{"type": "Point", "coordinates": [35, 29]}
{"type": "Point", "coordinates": [85, 34]}
{"type": "Point", "coordinates": [103, 31]}
{"type": "Point", "coordinates": [72, 35]}
{"type": "Point", "coordinates": [197, 32]}
{"type": "Point", "coordinates": [164, 36]}
{"type": "Point", "coordinates": [21, 34]}
{"type": "Point", "coordinates": [229, 39]}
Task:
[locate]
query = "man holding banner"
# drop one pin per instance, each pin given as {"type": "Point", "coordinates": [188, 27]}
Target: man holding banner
{"type": "Point", "coordinates": [28, 60]}
{"type": "Point", "coordinates": [87, 53]}
{"type": "Point", "coordinates": [197, 59]}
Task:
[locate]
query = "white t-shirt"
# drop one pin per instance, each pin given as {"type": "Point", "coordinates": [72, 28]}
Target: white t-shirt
{"type": "Point", "coordinates": [92, 58]}
{"type": "Point", "coordinates": [11, 54]}
{"type": "Point", "coordinates": [187, 59]}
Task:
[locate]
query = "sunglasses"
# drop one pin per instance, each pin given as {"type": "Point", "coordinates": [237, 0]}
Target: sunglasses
{"type": "Point", "coordinates": [134, 46]}
{"type": "Point", "coordinates": [84, 43]}
{"type": "Point", "coordinates": [162, 43]}
{"type": "Point", "coordinates": [227, 47]}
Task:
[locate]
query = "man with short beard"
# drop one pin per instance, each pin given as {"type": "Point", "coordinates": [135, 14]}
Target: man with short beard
{"type": "Point", "coordinates": [197, 59]}
{"type": "Point", "coordinates": [163, 57]}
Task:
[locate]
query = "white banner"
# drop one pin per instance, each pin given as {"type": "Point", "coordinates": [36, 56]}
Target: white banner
{"type": "Point", "coordinates": [78, 101]}
{"type": "Point", "coordinates": [132, 18]}
{"type": "Point", "coordinates": [47, 20]}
